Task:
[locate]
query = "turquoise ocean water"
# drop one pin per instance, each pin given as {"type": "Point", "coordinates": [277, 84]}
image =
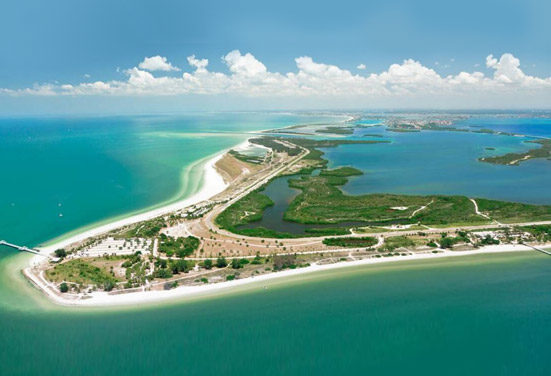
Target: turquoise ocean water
{"type": "Point", "coordinates": [478, 315]}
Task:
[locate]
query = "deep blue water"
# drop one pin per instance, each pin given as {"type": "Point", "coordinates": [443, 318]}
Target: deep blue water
{"type": "Point", "coordinates": [540, 127]}
{"type": "Point", "coordinates": [435, 162]}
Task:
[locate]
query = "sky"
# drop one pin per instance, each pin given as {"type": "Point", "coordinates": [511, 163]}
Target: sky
{"type": "Point", "coordinates": [168, 56]}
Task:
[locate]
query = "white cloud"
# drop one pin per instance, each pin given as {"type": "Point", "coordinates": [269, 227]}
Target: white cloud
{"type": "Point", "coordinates": [491, 61]}
{"type": "Point", "coordinates": [361, 67]}
{"type": "Point", "coordinates": [199, 64]}
{"type": "Point", "coordinates": [157, 63]}
{"type": "Point", "coordinates": [244, 65]}
{"type": "Point", "coordinates": [246, 76]}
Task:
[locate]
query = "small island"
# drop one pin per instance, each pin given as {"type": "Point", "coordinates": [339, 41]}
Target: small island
{"type": "Point", "coordinates": [514, 159]}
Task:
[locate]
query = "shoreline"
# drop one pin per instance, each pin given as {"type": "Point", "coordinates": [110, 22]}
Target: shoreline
{"type": "Point", "coordinates": [104, 299]}
{"type": "Point", "coordinates": [211, 182]}
{"type": "Point", "coordinates": [211, 185]}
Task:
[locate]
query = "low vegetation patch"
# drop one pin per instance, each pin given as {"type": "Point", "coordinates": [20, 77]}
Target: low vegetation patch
{"type": "Point", "coordinates": [81, 272]}
{"type": "Point", "coordinates": [336, 130]}
{"type": "Point", "coordinates": [541, 232]}
{"type": "Point", "coordinates": [180, 247]}
{"type": "Point", "coordinates": [450, 241]}
{"type": "Point", "coordinates": [146, 229]}
{"type": "Point", "coordinates": [322, 202]}
{"type": "Point", "coordinates": [394, 242]}
{"type": "Point", "coordinates": [513, 212]}
{"type": "Point", "coordinates": [366, 241]}
{"type": "Point", "coordinates": [254, 159]}
{"type": "Point", "coordinates": [514, 159]}
{"type": "Point", "coordinates": [249, 209]}
{"type": "Point", "coordinates": [287, 262]}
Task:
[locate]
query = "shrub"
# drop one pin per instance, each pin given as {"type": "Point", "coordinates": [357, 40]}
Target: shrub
{"type": "Point", "coordinates": [163, 273]}
{"type": "Point", "coordinates": [63, 287]}
{"type": "Point", "coordinates": [108, 285]}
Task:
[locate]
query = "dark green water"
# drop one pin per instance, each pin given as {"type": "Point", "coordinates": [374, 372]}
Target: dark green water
{"type": "Point", "coordinates": [483, 315]}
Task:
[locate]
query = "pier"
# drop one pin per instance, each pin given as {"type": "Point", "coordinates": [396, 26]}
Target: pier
{"type": "Point", "coordinates": [538, 249]}
{"type": "Point", "coordinates": [21, 248]}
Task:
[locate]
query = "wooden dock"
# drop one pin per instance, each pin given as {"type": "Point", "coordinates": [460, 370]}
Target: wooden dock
{"type": "Point", "coordinates": [21, 248]}
{"type": "Point", "coordinates": [538, 249]}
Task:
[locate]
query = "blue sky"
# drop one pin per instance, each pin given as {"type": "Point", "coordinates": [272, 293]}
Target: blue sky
{"type": "Point", "coordinates": [62, 41]}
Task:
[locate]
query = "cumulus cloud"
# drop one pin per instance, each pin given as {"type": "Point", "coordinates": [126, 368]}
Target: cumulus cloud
{"type": "Point", "coordinates": [248, 77]}
{"type": "Point", "coordinates": [245, 65]}
{"type": "Point", "coordinates": [361, 67]}
{"type": "Point", "coordinates": [199, 64]}
{"type": "Point", "coordinates": [157, 63]}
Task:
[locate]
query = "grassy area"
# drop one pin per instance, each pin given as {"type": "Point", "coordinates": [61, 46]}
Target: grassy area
{"type": "Point", "coordinates": [394, 242]}
{"type": "Point", "coordinates": [342, 172]}
{"type": "Point", "coordinates": [146, 229]}
{"type": "Point", "coordinates": [254, 159]}
{"type": "Point", "coordinates": [272, 143]}
{"type": "Point", "coordinates": [514, 159]}
{"type": "Point", "coordinates": [512, 212]}
{"type": "Point", "coordinates": [180, 247]}
{"type": "Point", "coordinates": [249, 209]}
{"type": "Point", "coordinates": [541, 232]}
{"type": "Point", "coordinates": [327, 231]}
{"type": "Point", "coordinates": [376, 135]}
{"type": "Point", "coordinates": [336, 130]}
{"type": "Point", "coordinates": [322, 202]}
{"type": "Point", "coordinates": [263, 232]}
{"type": "Point", "coordinates": [366, 241]}
{"type": "Point", "coordinates": [403, 130]}
{"type": "Point", "coordinates": [81, 272]}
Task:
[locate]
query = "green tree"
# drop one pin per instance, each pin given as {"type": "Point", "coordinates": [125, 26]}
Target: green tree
{"type": "Point", "coordinates": [63, 287]}
{"type": "Point", "coordinates": [221, 262]}
{"type": "Point", "coordinates": [207, 264]}
{"type": "Point", "coordinates": [235, 264]}
{"type": "Point", "coordinates": [108, 285]}
{"type": "Point", "coordinates": [447, 242]}
{"type": "Point", "coordinates": [61, 253]}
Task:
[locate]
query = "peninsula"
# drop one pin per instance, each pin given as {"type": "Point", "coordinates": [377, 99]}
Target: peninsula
{"type": "Point", "coordinates": [216, 239]}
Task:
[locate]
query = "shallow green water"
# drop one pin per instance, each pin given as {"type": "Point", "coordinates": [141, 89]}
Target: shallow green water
{"type": "Point", "coordinates": [60, 174]}
{"type": "Point", "coordinates": [483, 315]}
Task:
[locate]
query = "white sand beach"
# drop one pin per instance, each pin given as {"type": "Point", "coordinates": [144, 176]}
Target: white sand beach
{"type": "Point", "coordinates": [212, 184]}
{"type": "Point", "coordinates": [104, 299]}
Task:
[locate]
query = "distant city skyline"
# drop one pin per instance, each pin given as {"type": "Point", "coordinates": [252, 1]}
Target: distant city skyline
{"type": "Point", "coordinates": [72, 58]}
